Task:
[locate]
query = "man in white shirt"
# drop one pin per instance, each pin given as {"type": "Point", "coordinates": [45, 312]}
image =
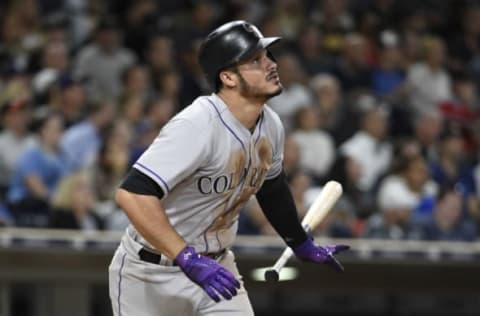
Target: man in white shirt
{"type": "Point", "coordinates": [368, 147]}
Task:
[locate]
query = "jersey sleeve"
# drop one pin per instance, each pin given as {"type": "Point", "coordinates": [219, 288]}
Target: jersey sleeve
{"type": "Point", "coordinates": [278, 143]}
{"type": "Point", "coordinates": [179, 150]}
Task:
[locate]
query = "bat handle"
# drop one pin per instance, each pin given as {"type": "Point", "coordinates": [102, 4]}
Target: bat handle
{"type": "Point", "coordinates": [287, 253]}
{"type": "Point", "coordinates": [274, 272]}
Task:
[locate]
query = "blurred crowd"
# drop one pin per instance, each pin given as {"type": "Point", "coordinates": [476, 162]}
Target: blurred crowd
{"type": "Point", "coordinates": [380, 95]}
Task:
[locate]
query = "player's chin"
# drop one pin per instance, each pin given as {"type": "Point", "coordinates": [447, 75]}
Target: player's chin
{"type": "Point", "coordinates": [276, 90]}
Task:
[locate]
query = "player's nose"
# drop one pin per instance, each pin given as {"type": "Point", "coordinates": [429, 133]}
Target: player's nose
{"type": "Point", "coordinates": [271, 64]}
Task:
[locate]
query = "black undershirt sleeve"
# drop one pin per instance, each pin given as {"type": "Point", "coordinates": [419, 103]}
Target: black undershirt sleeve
{"type": "Point", "coordinates": [139, 183]}
{"type": "Point", "coordinates": [278, 205]}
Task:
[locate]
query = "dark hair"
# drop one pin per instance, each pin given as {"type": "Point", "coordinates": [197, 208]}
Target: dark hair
{"type": "Point", "coordinates": [297, 117]}
{"type": "Point", "coordinates": [338, 170]}
{"type": "Point", "coordinates": [40, 119]}
{"type": "Point", "coordinates": [402, 163]}
{"type": "Point", "coordinates": [107, 22]}
{"type": "Point", "coordinates": [444, 190]}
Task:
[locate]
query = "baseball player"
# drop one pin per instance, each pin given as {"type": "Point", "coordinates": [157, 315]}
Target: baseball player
{"type": "Point", "coordinates": [184, 193]}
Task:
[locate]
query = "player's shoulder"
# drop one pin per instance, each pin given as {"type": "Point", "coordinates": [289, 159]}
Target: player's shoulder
{"type": "Point", "coordinates": [200, 113]}
{"type": "Point", "coordinates": [271, 118]}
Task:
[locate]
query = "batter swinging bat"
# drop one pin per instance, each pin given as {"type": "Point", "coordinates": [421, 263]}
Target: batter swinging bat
{"type": "Point", "coordinates": [315, 214]}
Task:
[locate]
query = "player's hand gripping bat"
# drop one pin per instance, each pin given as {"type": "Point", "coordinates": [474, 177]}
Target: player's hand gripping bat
{"type": "Point", "coordinates": [327, 198]}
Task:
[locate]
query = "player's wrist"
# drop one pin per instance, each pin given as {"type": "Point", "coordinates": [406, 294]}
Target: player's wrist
{"type": "Point", "coordinates": [298, 241]}
{"type": "Point", "coordinates": [304, 249]}
{"type": "Point", "coordinates": [185, 256]}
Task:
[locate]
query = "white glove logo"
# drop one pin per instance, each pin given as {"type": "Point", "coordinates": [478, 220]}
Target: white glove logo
{"type": "Point", "coordinates": [187, 255]}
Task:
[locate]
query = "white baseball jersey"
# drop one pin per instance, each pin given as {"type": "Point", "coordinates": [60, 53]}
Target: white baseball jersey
{"type": "Point", "coordinates": [208, 165]}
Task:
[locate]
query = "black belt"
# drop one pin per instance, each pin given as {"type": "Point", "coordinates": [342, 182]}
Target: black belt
{"type": "Point", "coordinates": [151, 257]}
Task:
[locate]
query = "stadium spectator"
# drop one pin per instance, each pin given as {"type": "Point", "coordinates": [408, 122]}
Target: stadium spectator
{"type": "Point", "coordinates": [447, 222]}
{"type": "Point", "coordinates": [82, 142]}
{"type": "Point", "coordinates": [136, 83]}
{"type": "Point", "coordinates": [463, 45]}
{"type": "Point", "coordinates": [300, 182]}
{"type": "Point", "coordinates": [37, 174]}
{"type": "Point", "coordinates": [368, 146]}
{"type": "Point", "coordinates": [347, 171]}
{"type": "Point", "coordinates": [102, 62]}
{"type": "Point", "coordinates": [428, 82]}
{"type": "Point", "coordinates": [295, 94]}
{"type": "Point", "coordinates": [21, 35]}
{"type": "Point", "coordinates": [334, 114]}
{"type": "Point", "coordinates": [463, 111]}
{"type": "Point", "coordinates": [73, 204]}
{"type": "Point", "coordinates": [427, 128]}
{"type": "Point", "coordinates": [291, 155]}
{"type": "Point", "coordinates": [170, 85]}
{"type": "Point", "coordinates": [55, 63]}
{"type": "Point", "coordinates": [334, 20]}
{"type": "Point", "coordinates": [113, 159]}
{"type": "Point", "coordinates": [407, 193]}
{"type": "Point", "coordinates": [140, 23]}
{"type": "Point", "coordinates": [290, 15]}
{"type": "Point", "coordinates": [317, 149]}
{"type": "Point", "coordinates": [452, 168]}
{"type": "Point", "coordinates": [158, 111]}
{"type": "Point", "coordinates": [14, 138]}
{"type": "Point", "coordinates": [160, 55]}
{"type": "Point", "coordinates": [132, 109]}
{"type": "Point", "coordinates": [352, 68]}
{"type": "Point", "coordinates": [193, 83]}
{"type": "Point", "coordinates": [388, 75]}
{"type": "Point", "coordinates": [310, 52]}
{"type": "Point", "coordinates": [68, 97]}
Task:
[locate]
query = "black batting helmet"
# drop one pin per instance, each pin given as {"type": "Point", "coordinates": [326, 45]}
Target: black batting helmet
{"type": "Point", "coordinates": [229, 44]}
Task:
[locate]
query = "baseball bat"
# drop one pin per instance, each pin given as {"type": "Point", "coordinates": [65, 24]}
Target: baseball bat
{"type": "Point", "coordinates": [324, 202]}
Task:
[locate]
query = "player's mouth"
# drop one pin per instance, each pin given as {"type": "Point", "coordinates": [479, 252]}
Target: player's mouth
{"type": "Point", "coordinates": [273, 76]}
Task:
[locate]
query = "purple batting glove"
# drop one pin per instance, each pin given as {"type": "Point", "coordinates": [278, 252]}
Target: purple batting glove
{"type": "Point", "coordinates": [208, 274]}
{"type": "Point", "coordinates": [308, 251]}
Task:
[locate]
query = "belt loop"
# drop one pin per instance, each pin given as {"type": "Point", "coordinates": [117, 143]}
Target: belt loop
{"type": "Point", "coordinates": [165, 261]}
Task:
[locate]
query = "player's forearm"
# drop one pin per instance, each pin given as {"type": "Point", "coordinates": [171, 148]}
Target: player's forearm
{"type": "Point", "coordinates": [278, 206]}
{"type": "Point", "coordinates": [148, 216]}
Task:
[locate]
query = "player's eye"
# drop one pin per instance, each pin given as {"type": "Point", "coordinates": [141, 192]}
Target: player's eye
{"type": "Point", "coordinates": [256, 60]}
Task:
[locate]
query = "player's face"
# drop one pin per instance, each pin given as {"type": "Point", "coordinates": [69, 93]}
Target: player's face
{"type": "Point", "coordinates": [258, 77]}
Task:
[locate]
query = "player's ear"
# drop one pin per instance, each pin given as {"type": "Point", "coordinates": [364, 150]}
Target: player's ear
{"type": "Point", "coordinates": [228, 78]}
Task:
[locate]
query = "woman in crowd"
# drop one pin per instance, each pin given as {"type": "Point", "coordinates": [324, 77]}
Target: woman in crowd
{"type": "Point", "coordinates": [37, 174]}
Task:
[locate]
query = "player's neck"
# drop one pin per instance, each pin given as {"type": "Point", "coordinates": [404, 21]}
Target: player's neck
{"type": "Point", "coordinates": [246, 111]}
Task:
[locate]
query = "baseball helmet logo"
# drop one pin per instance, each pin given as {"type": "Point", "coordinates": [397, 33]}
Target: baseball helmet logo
{"type": "Point", "coordinates": [248, 27]}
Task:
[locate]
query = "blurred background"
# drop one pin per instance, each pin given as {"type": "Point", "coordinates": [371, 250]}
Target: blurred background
{"type": "Point", "coordinates": [380, 95]}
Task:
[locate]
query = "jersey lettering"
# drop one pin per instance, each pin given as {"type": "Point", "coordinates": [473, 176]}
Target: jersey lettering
{"type": "Point", "coordinates": [220, 184]}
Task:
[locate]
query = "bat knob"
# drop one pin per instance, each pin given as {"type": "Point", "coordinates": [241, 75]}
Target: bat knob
{"type": "Point", "coordinates": [271, 276]}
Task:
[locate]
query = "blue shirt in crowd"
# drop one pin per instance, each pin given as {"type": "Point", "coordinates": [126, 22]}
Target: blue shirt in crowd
{"type": "Point", "coordinates": [50, 167]}
{"type": "Point", "coordinates": [81, 144]}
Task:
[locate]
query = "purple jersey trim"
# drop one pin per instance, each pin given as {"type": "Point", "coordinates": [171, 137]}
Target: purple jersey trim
{"type": "Point", "coordinates": [226, 125]}
{"type": "Point", "coordinates": [119, 284]}
{"type": "Point", "coordinates": [138, 164]}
